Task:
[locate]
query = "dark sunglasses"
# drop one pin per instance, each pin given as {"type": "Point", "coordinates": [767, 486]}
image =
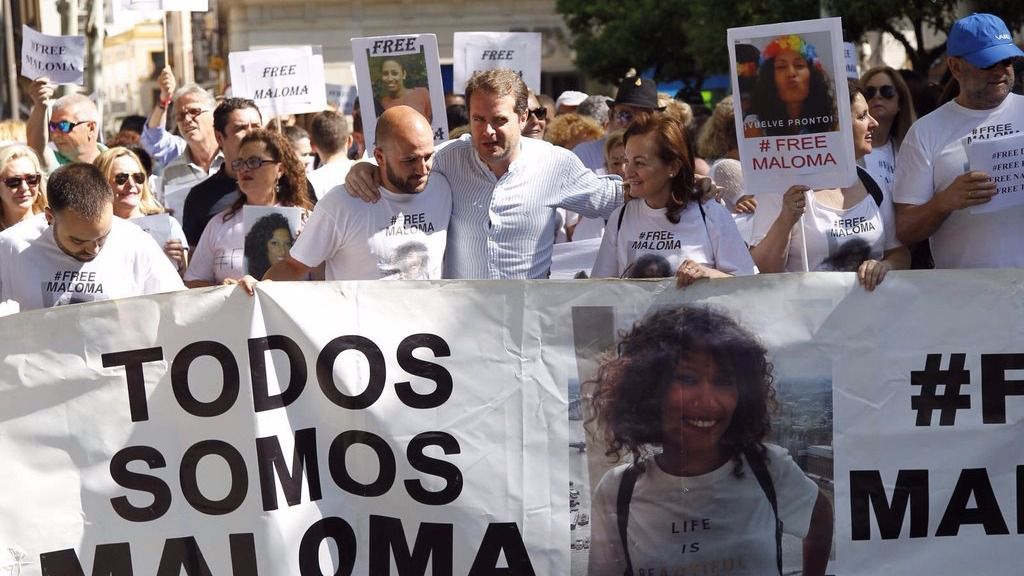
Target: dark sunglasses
{"type": "Point", "coordinates": [888, 92]}
{"type": "Point", "coordinates": [1001, 64]}
{"type": "Point", "coordinates": [624, 116]}
{"type": "Point", "coordinates": [122, 178]}
{"type": "Point", "coordinates": [65, 126]}
{"type": "Point", "coordinates": [15, 181]}
{"type": "Point", "coordinates": [541, 113]}
{"type": "Point", "coordinates": [252, 163]}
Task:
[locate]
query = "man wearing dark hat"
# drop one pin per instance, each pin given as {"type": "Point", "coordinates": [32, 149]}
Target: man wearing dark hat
{"type": "Point", "coordinates": [636, 96]}
{"type": "Point", "coordinates": [936, 198]}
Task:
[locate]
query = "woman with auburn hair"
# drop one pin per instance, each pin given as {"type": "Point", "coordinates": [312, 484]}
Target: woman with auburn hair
{"type": "Point", "coordinates": [793, 93]}
{"type": "Point", "coordinates": [689, 397]}
{"type": "Point", "coordinates": [666, 218]}
{"type": "Point", "coordinates": [133, 198]}
{"type": "Point", "coordinates": [269, 174]}
{"type": "Point", "coordinates": [24, 185]}
{"type": "Point", "coordinates": [891, 105]}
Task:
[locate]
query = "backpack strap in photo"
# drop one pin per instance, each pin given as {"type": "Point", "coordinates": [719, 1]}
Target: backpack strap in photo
{"type": "Point", "coordinates": [760, 470]}
{"type": "Point", "coordinates": [625, 494]}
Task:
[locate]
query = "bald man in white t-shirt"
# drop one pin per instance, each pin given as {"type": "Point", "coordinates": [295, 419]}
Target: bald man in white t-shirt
{"type": "Point", "coordinates": [401, 237]}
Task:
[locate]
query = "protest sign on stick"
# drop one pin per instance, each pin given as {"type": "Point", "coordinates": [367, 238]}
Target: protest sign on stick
{"type": "Point", "coordinates": [59, 58]}
{"type": "Point", "coordinates": [280, 80]}
{"type": "Point", "coordinates": [478, 51]}
{"type": "Point", "coordinates": [793, 117]}
{"type": "Point", "coordinates": [399, 70]}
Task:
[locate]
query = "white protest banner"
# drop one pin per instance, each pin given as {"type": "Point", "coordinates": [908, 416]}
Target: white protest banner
{"type": "Point", "coordinates": [280, 80]}
{"type": "Point", "coordinates": [59, 58]}
{"type": "Point", "coordinates": [796, 126]}
{"type": "Point", "coordinates": [341, 97]}
{"type": "Point", "coordinates": [237, 435]}
{"type": "Point", "coordinates": [1003, 160]}
{"type": "Point", "coordinates": [228, 434]}
{"type": "Point", "coordinates": [270, 232]}
{"type": "Point", "coordinates": [850, 55]}
{"type": "Point", "coordinates": [477, 51]}
{"type": "Point", "coordinates": [397, 70]}
{"type": "Point", "coordinates": [928, 419]}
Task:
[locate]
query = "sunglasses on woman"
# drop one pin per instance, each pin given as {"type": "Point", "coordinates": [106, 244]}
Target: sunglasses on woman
{"type": "Point", "coordinates": [15, 181]}
{"type": "Point", "coordinates": [66, 126]}
{"type": "Point", "coordinates": [540, 113]}
{"type": "Point", "coordinates": [887, 92]}
{"type": "Point", "coordinates": [122, 178]}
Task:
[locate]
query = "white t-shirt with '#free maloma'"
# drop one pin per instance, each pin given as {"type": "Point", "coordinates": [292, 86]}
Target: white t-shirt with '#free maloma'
{"type": "Point", "coordinates": [402, 236]}
{"type": "Point", "coordinates": [36, 273]}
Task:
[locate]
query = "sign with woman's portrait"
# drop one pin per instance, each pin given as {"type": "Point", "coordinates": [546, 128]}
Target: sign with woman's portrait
{"type": "Point", "coordinates": [793, 120]}
{"type": "Point", "coordinates": [270, 232]}
{"type": "Point", "coordinates": [395, 71]}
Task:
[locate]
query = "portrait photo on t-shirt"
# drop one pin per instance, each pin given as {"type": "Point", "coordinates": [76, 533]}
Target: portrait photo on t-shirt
{"type": "Point", "coordinates": [692, 524]}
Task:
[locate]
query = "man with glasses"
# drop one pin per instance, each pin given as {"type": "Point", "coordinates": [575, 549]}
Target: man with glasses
{"type": "Point", "coordinates": [80, 252]}
{"type": "Point", "coordinates": [188, 159]}
{"type": "Point", "coordinates": [74, 127]}
{"type": "Point", "coordinates": [636, 96]}
{"type": "Point", "coordinates": [232, 120]}
{"type": "Point", "coordinates": [934, 194]}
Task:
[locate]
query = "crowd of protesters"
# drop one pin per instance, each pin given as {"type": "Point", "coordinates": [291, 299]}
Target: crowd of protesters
{"type": "Point", "coordinates": [521, 173]}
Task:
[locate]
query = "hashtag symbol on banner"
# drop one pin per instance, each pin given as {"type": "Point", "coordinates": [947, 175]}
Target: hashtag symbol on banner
{"type": "Point", "coordinates": [764, 146]}
{"type": "Point", "coordinates": [929, 398]}
{"type": "Point", "coordinates": [56, 277]}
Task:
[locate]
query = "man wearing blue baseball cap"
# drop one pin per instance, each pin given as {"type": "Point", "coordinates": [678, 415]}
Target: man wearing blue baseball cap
{"type": "Point", "coordinates": [934, 192]}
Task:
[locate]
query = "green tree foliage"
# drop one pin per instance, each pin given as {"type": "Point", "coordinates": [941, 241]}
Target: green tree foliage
{"type": "Point", "coordinates": [922, 17]}
{"type": "Point", "coordinates": [686, 39]}
{"type": "Point", "coordinates": [678, 39]}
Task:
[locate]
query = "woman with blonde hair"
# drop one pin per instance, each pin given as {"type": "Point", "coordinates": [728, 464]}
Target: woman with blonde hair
{"type": "Point", "coordinates": [23, 193]}
{"type": "Point", "coordinates": [133, 199]}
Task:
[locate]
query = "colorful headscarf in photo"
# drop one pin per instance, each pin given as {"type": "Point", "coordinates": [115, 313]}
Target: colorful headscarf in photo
{"type": "Point", "coordinates": [791, 42]}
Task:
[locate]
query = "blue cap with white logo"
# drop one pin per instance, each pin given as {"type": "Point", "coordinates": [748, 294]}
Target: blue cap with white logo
{"type": "Point", "coordinates": [982, 40]}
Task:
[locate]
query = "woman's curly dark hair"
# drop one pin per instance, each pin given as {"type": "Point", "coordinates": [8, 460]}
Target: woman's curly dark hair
{"type": "Point", "coordinates": [673, 144]}
{"type": "Point", "coordinates": [820, 102]}
{"type": "Point", "coordinates": [256, 242]}
{"type": "Point", "coordinates": [627, 404]}
{"type": "Point", "coordinates": [291, 189]}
